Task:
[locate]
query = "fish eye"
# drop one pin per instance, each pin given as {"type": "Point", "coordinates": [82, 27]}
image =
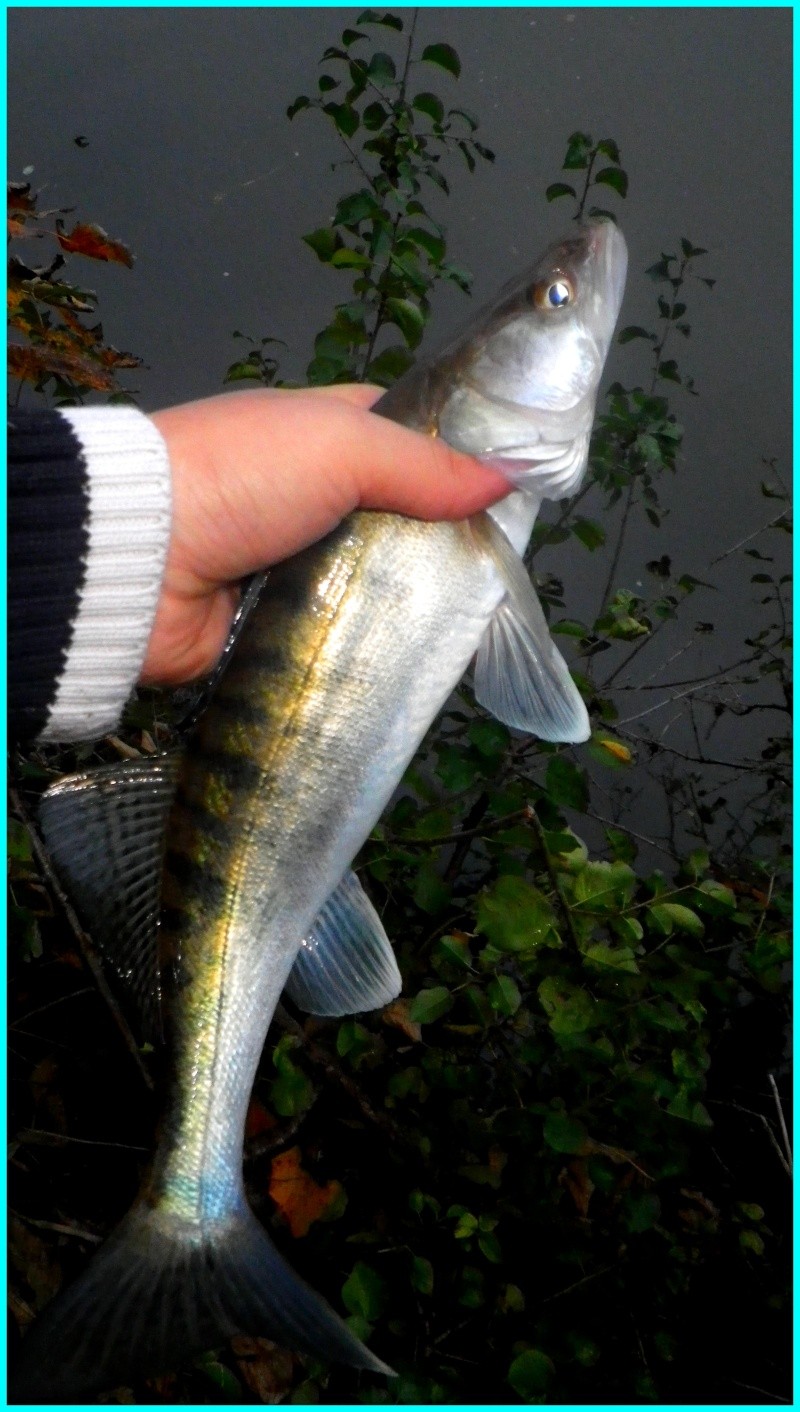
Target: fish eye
{"type": "Point", "coordinates": [553, 293]}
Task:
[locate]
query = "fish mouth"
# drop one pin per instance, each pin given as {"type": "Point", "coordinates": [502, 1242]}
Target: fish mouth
{"type": "Point", "coordinates": [610, 254]}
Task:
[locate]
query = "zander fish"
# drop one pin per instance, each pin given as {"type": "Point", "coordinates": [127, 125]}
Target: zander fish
{"type": "Point", "coordinates": [218, 878]}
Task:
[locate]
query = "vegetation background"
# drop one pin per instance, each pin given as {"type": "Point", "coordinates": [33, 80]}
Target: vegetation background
{"type": "Point", "coordinates": [566, 1146]}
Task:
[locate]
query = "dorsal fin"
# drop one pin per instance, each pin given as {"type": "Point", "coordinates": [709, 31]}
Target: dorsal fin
{"type": "Point", "coordinates": [104, 829]}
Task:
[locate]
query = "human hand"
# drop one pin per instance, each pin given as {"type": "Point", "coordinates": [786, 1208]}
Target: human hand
{"type": "Point", "coordinates": [256, 476]}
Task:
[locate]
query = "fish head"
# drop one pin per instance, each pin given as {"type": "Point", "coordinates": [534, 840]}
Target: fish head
{"type": "Point", "coordinates": [518, 390]}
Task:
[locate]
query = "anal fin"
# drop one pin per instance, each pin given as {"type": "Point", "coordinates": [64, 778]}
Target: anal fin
{"type": "Point", "coordinates": [346, 963]}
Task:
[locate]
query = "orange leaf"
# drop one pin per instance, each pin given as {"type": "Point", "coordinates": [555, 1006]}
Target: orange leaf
{"type": "Point", "coordinates": [266, 1370]}
{"type": "Point", "coordinates": [575, 1177]}
{"type": "Point", "coordinates": [300, 1199]}
{"type": "Point", "coordinates": [397, 1014]}
{"type": "Point", "coordinates": [95, 242]}
{"type": "Point", "coordinates": [615, 748]}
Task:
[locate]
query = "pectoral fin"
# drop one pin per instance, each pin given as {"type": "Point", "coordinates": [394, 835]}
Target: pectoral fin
{"type": "Point", "coordinates": [520, 675]}
{"type": "Point", "coordinates": [104, 830]}
{"type": "Point", "coordinates": [346, 963]}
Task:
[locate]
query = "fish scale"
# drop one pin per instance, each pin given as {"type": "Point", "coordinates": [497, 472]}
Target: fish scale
{"type": "Point", "coordinates": [337, 673]}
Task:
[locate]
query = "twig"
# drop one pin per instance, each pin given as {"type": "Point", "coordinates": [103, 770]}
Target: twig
{"type": "Point", "coordinates": [761, 1118]}
{"type": "Point", "coordinates": [555, 880]}
{"type": "Point", "coordinates": [776, 1396]}
{"type": "Point", "coordinates": [82, 938]}
{"type": "Point", "coordinates": [42, 1138]}
{"type": "Point", "coordinates": [322, 1060]}
{"type": "Point", "coordinates": [784, 1134]}
{"type": "Point", "coordinates": [59, 1000]}
{"type": "Point", "coordinates": [76, 1231]}
{"type": "Point", "coordinates": [559, 1294]}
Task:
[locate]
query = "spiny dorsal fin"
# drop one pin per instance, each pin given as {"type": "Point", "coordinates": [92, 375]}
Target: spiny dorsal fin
{"type": "Point", "coordinates": [104, 829]}
{"type": "Point", "coordinates": [346, 963]}
{"type": "Point", "coordinates": [520, 675]}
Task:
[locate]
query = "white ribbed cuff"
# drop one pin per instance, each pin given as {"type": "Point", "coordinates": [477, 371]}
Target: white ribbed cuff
{"type": "Point", "coordinates": [130, 505]}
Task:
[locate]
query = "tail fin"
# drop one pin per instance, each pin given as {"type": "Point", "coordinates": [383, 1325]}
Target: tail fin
{"type": "Point", "coordinates": [162, 1291]}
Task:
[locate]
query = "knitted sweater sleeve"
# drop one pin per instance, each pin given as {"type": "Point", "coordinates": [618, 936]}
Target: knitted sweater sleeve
{"type": "Point", "coordinates": [88, 528]}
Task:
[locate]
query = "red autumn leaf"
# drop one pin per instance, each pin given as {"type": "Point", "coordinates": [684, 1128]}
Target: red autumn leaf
{"type": "Point", "coordinates": [259, 1120]}
{"type": "Point", "coordinates": [19, 196]}
{"type": "Point", "coordinates": [34, 364]}
{"type": "Point", "coordinates": [300, 1199]}
{"type": "Point", "coordinates": [93, 241]}
{"type": "Point", "coordinates": [112, 358]}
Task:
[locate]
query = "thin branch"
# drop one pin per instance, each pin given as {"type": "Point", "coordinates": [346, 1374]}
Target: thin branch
{"type": "Point", "coordinates": [556, 881]}
{"type": "Point", "coordinates": [782, 1121]}
{"type": "Point", "coordinates": [618, 548]}
{"type": "Point", "coordinates": [76, 1231]}
{"type": "Point", "coordinates": [769, 525]}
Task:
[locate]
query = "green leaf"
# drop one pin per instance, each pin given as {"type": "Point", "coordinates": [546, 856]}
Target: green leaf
{"type": "Point", "coordinates": [642, 1211]}
{"type": "Point", "coordinates": [374, 17]}
{"type": "Point", "coordinates": [364, 1292]}
{"type": "Point", "coordinates": [578, 148]}
{"type": "Point", "coordinates": [390, 364]}
{"type": "Point", "coordinates": [685, 1105]}
{"type": "Point", "coordinates": [617, 958]}
{"type": "Point", "coordinates": [445, 56]}
{"type": "Point", "coordinates": [751, 1240]}
{"type": "Point", "coordinates": [409, 319]}
{"type": "Point", "coordinates": [291, 1093]}
{"type": "Point", "coordinates": [566, 784]}
{"type": "Point", "coordinates": [610, 149]}
{"type": "Point", "coordinates": [381, 68]}
{"type": "Point", "coordinates": [515, 915]}
{"type": "Point", "coordinates": [564, 1134]}
{"type": "Point", "coordinates": [431, 892]}
{"type": "Point", "coordinates": [490, 737]}
{"type": "Point", "coordinates": [346, 259]}
{"type": "Point", "coordinates": [626, 335]}
{"type": "Point", "coordinates": [433, 245]}
{"type": "Point", "coordinates": [421, 1274]}
{"type": "Point", "coordinates": [358, 207]}
{"type": "Point", "coordinates": [530, 1374]}
{"type": "Point", "coordinates": [298, 105]}
{"type": "Point", "coordinates": [715, 898]}
{"type": "Point", "coordinates": [326, 83]}
{"type": "Point", "coordinates": [589, 533]}
{"type": "Point", "coordinates": [456, 949]}
{"type": "Point", "coordinates": [569, 1009]}
{"type": "Point", "coordinates": [504, 995]}
{"type": "Point", "coordinates": [601, 885]}
{"type": "Point", "coordinates": [344, 116]}
{"type": "Point", "coordinates": [559, 188]}
{"type": "Point", "coordinates": [430, 105]}
{"type": "Point", "coordinates": [469, 118]}
{"type": "Point", "coordinates": [374, 116]}
{"type": "Point", "coordinates": [682, 917]}
{"type": "Point", "coordinates": [489, 1246]}
{"type": "Point", "coordinates": [222, 1378]}
{"type": "Point", "coordinates": [324, 243]}
{"type": "Point", "coordinates": [615, 177]}
{"type": "Point", "coordinates": [430, 1005]}
{"type": "Point", "coordinates": [569, 627]}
